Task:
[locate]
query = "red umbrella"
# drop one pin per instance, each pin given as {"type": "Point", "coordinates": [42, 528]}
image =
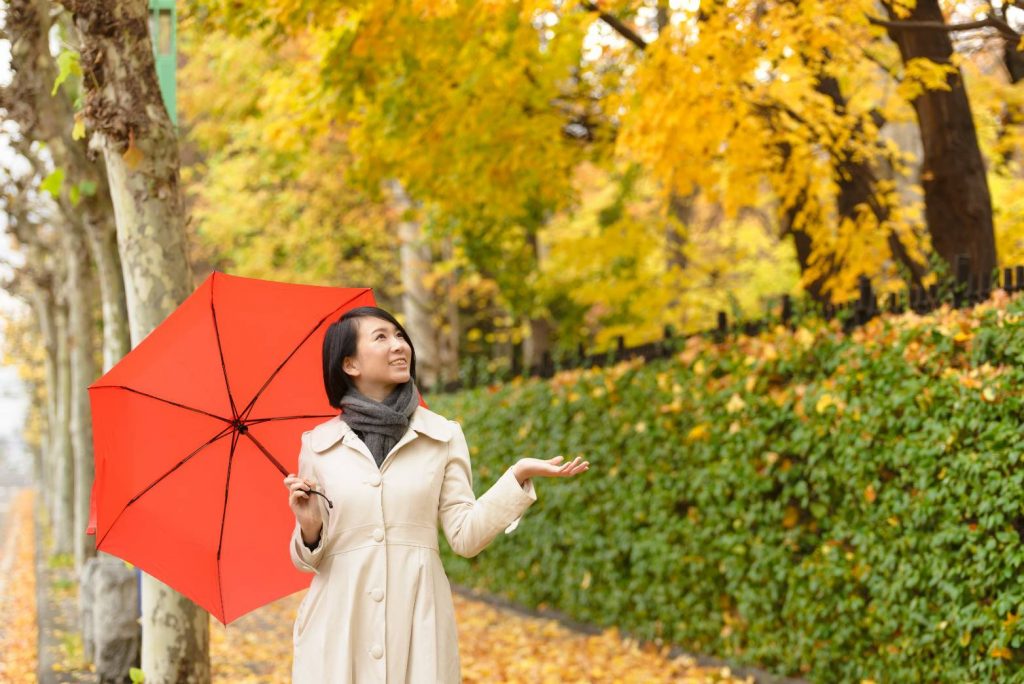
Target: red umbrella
{"type": "Point", "coordinates": [196, 427]}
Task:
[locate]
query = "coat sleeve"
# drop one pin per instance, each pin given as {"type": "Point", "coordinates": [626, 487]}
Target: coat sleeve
{"type": "Point", "coordinates": [304, 558]}
{"type": "Point", "coordinates": [469, 523]}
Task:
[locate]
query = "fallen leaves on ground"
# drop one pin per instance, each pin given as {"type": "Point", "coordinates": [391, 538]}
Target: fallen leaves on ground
{"type": "Point", "coordinates": [499, 645]}
{"type": "Point", "coordinates": [18, 638]}
{"type": "Point", "coordinates": [495, 645]}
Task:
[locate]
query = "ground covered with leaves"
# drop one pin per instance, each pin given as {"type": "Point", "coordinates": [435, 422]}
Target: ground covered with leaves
{"type": "Point", "coordinates": [495, 645]}
{"type": "Point", "coordinates": [18, 636]}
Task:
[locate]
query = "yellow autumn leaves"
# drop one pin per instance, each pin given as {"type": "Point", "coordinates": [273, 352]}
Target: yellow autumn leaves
{"type": "Point", "coordinates": [495, 645]}
{"type": "Point", "coordinates": [18, 631]}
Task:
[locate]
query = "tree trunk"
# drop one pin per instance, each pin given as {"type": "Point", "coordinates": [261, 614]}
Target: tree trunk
{"type": "Point", "coordinates": [677, 228]}
{"type": "Point", "coordinates": [958, 206]}
{"type": "Point", "coordinates": [48, 118]}
{"type": "Point", "coordinates": [45, 310]}
{"type": "Point", "coordinates": [680, 207]}
{"type": "Point", "coordinates": [108, 620]}
{"type": "Point", "coordinates": [417, 298]}
{"type": "Point", "coordinates": [858, 182]}
{"type": "Point", "coordinates": [125, 112]}
{"type": "Point", "coordinates": [542, 329]}
{"type": "Point", "coordinates": [64, 463]}
{"type": "Point", "coordinates": [83, 373]}
{"type": "Point", "coordinates": [102, 236]}
{"type": "Point", "coordinates": [538, 343]}
{"type": "Point", "coordinates": [449, 348]}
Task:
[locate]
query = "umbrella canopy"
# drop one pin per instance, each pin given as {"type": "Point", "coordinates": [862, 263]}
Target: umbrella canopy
{"type": "Point", "coordinates": [195, 429]}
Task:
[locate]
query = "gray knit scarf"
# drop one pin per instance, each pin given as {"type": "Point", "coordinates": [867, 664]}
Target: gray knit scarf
{"type": "Point", "coordinates": [380, 424]}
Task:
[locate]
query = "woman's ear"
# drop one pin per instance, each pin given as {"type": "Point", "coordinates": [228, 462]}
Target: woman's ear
{"type": "Point", "coordinates": [349, 366]}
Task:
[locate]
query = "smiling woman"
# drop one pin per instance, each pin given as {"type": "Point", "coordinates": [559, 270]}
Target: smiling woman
{"type": "Point", "coordinates": [380, 606]}
{"type": "Point", "coordinates": [368, 350]}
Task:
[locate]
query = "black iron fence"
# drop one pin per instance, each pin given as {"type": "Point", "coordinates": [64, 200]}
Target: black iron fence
{"type": "Point", "coordinates": [963, 288]}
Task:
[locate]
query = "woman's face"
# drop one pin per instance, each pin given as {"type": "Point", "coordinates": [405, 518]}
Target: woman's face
{"type": "Point", "coordinates": [382, 358]}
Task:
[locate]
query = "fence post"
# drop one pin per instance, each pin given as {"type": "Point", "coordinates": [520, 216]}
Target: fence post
{"type": "Point", "coordinates": [984, 285]}
{"type": "Point", "coordinates": [1008, 280]}
{"type": "Point", "coordinates": [723, 327]}
{"type": "Point", "coordinates": [1018, 279]}
{"type": "Point", "coordinates": [620, 347]}
{"type": "Point", "coordinates": [963, 279]}
{"type": "Point", "coordinates": [787, 310]}
{"type": "Point", "coordinates": [865, 307]}
{"type": "Point", "coordinates": [666, 342]}
{"type": "Point", "coordinates": [547, 365]}
{"type": "Point", "coordinates": [893, 304]}
{"type": "Point", "coordinates": [581, 354]}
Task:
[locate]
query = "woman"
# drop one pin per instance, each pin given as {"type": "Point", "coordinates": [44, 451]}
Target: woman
{"type": "Point", "coordinates": [379, 607]}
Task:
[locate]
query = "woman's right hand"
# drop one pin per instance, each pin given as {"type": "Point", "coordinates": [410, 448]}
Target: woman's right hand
{"type": "Point", "coordinates": [304, 506]}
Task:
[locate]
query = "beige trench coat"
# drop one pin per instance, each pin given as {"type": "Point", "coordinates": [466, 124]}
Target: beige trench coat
{"type": "Point", "coordinates": [379, 608]}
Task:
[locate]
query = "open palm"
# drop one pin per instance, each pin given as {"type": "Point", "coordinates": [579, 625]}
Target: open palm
{"type": "Point", "coordinates": [552, 467]}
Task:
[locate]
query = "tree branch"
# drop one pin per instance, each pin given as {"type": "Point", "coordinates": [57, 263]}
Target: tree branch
{"type": "Point", "coordinates": [613, 21]}
{"type": "Point", "coordinates": [987, 22]}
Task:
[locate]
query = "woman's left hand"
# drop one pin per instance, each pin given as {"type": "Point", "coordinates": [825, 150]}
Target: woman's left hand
{"type": "Point", "coordinates": [526, 468]}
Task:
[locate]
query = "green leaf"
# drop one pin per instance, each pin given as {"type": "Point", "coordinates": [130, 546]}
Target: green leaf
{"type": "Point", "coordinates": [87, 187]}
{"type": "Point", "coordinates": [78, 131]}
{"type": "Point", "coordinates": [53, 182]}
{"type": "Point", "coordinates": [137, 675]}
{"type": "Point", "coordinates": [74, 195]}
{"type": "Point", "coordinates": [67, 65]}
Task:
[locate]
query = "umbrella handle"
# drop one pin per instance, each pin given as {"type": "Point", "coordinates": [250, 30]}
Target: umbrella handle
{"type": "Point", "coordinates": [313, 491]}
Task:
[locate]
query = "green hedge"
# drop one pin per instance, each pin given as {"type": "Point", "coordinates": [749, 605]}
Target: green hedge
{"type": "Point", "coordinates": [841, 507]}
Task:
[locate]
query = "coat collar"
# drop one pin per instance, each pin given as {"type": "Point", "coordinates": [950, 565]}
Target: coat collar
{"type": "Point", "coordinates": [424, 421]}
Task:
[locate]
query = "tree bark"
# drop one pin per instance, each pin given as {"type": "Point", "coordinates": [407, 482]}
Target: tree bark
{"type": "Point", "coordinates": [125, 112]}
{"type": "Point", "coordinates": [449, 348]}
{"type": "Point", "coordinates": [418, 302]}
{"type": "Point", "coordinates": [83, 373]}
{"type": "Point", "coordinates": [858, 181]}
{"type": "Point", "coordinates": [48, 118]}
{"type": "Point", "coordinates": [677, 229]}
{"type": "Point", "coordinates": [64, 463]}
{"type": "Point", "coordinates": [542, 329]}
{"type": "Point", "coordinates": [680, 207]}
{"type": "Point", "coordinates": [102, 237]}
{"type": "Point", "coordinates": [958, 206]}
{"type": "Point", "coordinates": [44, 307]}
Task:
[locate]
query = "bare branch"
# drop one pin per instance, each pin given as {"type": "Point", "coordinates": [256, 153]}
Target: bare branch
{"type": "Point", "coordinates": [987, 22]}
{"type": "Point", "coordinates": [613, 21]}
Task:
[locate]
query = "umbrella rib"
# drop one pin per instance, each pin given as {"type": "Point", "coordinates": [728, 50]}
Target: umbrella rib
{"type": "Point", "coordinates": [162, 477]}
{"type": "Point", "coordinates": [257, 421]}
{"type": "Point", "coordinates": [220, 351]}
{"type": "Point", "coordinates": [223, 517]}
{"type": "Point", "coordinates": [252, 402]}
{"type": "Point", "coordinates": [166, 401]}
{"type": "Point", "coordinates": [280, 467]}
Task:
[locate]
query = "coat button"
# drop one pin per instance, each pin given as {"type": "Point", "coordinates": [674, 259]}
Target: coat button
{"type": "Point", "coordinates": [376, 651]}
{"type": "Point", "coordinates": [378, 533]}
{"type": "Point", "coordinates": [377, 594]}
{"type": "Point", "coordinates": [375, 481]}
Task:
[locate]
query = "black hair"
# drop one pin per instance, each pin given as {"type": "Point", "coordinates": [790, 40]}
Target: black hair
{"type": "Point", "coordinates": [341, 340]}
